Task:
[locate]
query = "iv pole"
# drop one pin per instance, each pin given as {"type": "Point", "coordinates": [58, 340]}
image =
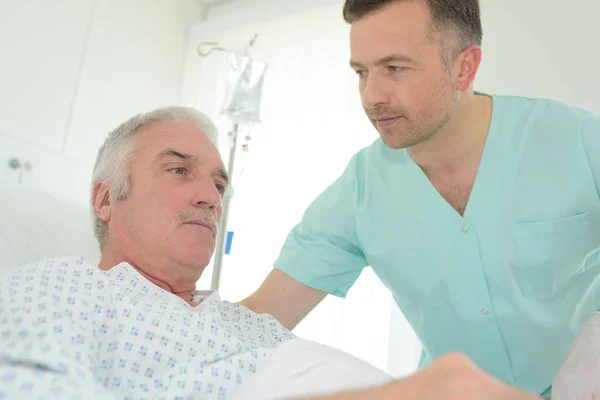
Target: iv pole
{"type": "Point", "coordinates": [222, 231]}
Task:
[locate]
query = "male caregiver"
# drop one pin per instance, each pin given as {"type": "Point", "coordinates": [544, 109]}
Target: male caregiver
{"type": "Point", "coordinates": [481, 213]}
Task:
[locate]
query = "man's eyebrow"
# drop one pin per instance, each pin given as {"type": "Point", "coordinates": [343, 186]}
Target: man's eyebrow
{"type": "Point", "coordinates": [219, 172]}
{"type": "Point", "coordinates": [385, 60]}
{"type": "Point", "coordinates": [174, 153]}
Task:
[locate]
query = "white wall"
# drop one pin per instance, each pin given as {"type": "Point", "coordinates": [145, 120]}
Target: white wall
{"type": "Point", "coordinates": [72, 70]}
{"type": "Point", "coordinates": [225, 9]}
{"type": "Point", "coordinates": [541, 48]}
{"type": "Point", "coordinates": [312, 123]}
{"type": "Point", "coordinates": [49, 171]}
{"type": "Point", "coordinates": [42, 46]}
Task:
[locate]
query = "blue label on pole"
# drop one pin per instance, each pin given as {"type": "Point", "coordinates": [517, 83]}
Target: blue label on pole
{"type": "Point", "coordinates": [228, 242]}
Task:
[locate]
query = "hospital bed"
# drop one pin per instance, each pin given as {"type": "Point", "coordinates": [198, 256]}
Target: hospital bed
{"type": "Point", "coordinates": [35, 225]}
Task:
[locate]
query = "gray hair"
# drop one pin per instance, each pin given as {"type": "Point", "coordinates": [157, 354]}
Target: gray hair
{"type": "Point", "coordinates": [114, 157]}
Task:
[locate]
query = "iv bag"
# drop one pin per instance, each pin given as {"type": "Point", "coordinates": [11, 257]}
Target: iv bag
{"type": "Point", "coordinates": [244, 90]}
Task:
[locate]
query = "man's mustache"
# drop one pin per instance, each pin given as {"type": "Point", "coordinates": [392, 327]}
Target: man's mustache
{"type": "Point", "coordinates": [187, 216]}
{"type": "Point", "coordinates": [380, 112]}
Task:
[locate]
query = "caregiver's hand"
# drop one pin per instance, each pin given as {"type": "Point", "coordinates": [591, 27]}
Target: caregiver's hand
{"type": "Point", "coordinates": [579, 376]}
{"type": "Point", "coordinates": [456, 377]}
{"type": "Point", "coordinates": [451, 377]}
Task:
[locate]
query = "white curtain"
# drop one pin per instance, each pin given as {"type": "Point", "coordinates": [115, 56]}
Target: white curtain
{"type": "Point", "coordinates": [312, 124]}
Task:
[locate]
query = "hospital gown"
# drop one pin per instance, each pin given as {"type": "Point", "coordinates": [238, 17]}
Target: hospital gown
{"type": "Point", "coordinates": [70, 330]}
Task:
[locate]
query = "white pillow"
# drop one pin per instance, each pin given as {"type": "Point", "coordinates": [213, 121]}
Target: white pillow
{"type": "Point", "coordinates": [300, 368]}
{"type": "Point", "coordinates": [35, 226]}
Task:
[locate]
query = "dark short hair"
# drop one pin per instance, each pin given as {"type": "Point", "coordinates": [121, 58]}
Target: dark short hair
{"type": "Point", "coordinates": [456, 22]}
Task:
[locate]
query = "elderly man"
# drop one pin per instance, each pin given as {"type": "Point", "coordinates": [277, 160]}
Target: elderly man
{"type": "Point", "coordinates": [135, 327]}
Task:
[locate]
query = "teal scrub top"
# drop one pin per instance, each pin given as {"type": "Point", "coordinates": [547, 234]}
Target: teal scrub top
{"type": "Point", "coordinates": [510, 283]}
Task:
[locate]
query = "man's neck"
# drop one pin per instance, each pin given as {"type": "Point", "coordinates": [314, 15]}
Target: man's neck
{"type": "Point", "coordinates": [460, 142]}
{"type": "Point", "coordinates": [185, 291]}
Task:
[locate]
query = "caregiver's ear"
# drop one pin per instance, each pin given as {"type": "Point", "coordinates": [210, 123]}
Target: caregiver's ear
{"type": "Point", "coordinates": [466, 66]}
{"type": "Point", "coordinates": [101, 201]}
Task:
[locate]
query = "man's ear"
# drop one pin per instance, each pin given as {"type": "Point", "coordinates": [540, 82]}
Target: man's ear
{"type": "Point", "coordinates": [101, 201]}
{"type": "Point", "coordinates": [468, 65]}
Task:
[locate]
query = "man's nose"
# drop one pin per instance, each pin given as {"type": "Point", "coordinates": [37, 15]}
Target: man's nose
{"type": "Point", "coordinates": [206, 194]}
{"type": "Point", "coordinates": [374, 91]}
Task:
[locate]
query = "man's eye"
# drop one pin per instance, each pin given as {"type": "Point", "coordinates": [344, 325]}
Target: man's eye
{"type": "Point", "coordinates": [221, 188]}
{"type": "Point", "coordinates": [394, 68]}
{"type": "Point", "coordinates": [360, 73]}
{"type": "Point", "coordinates": [178, 170]}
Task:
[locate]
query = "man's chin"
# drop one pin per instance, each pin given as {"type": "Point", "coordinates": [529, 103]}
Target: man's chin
{"type": "Point", "coordinates": [196, 258]}
{"type": "Point", "coordinates": [402, 140]}
{"type": "Point", "coordinates": [393, 142]}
